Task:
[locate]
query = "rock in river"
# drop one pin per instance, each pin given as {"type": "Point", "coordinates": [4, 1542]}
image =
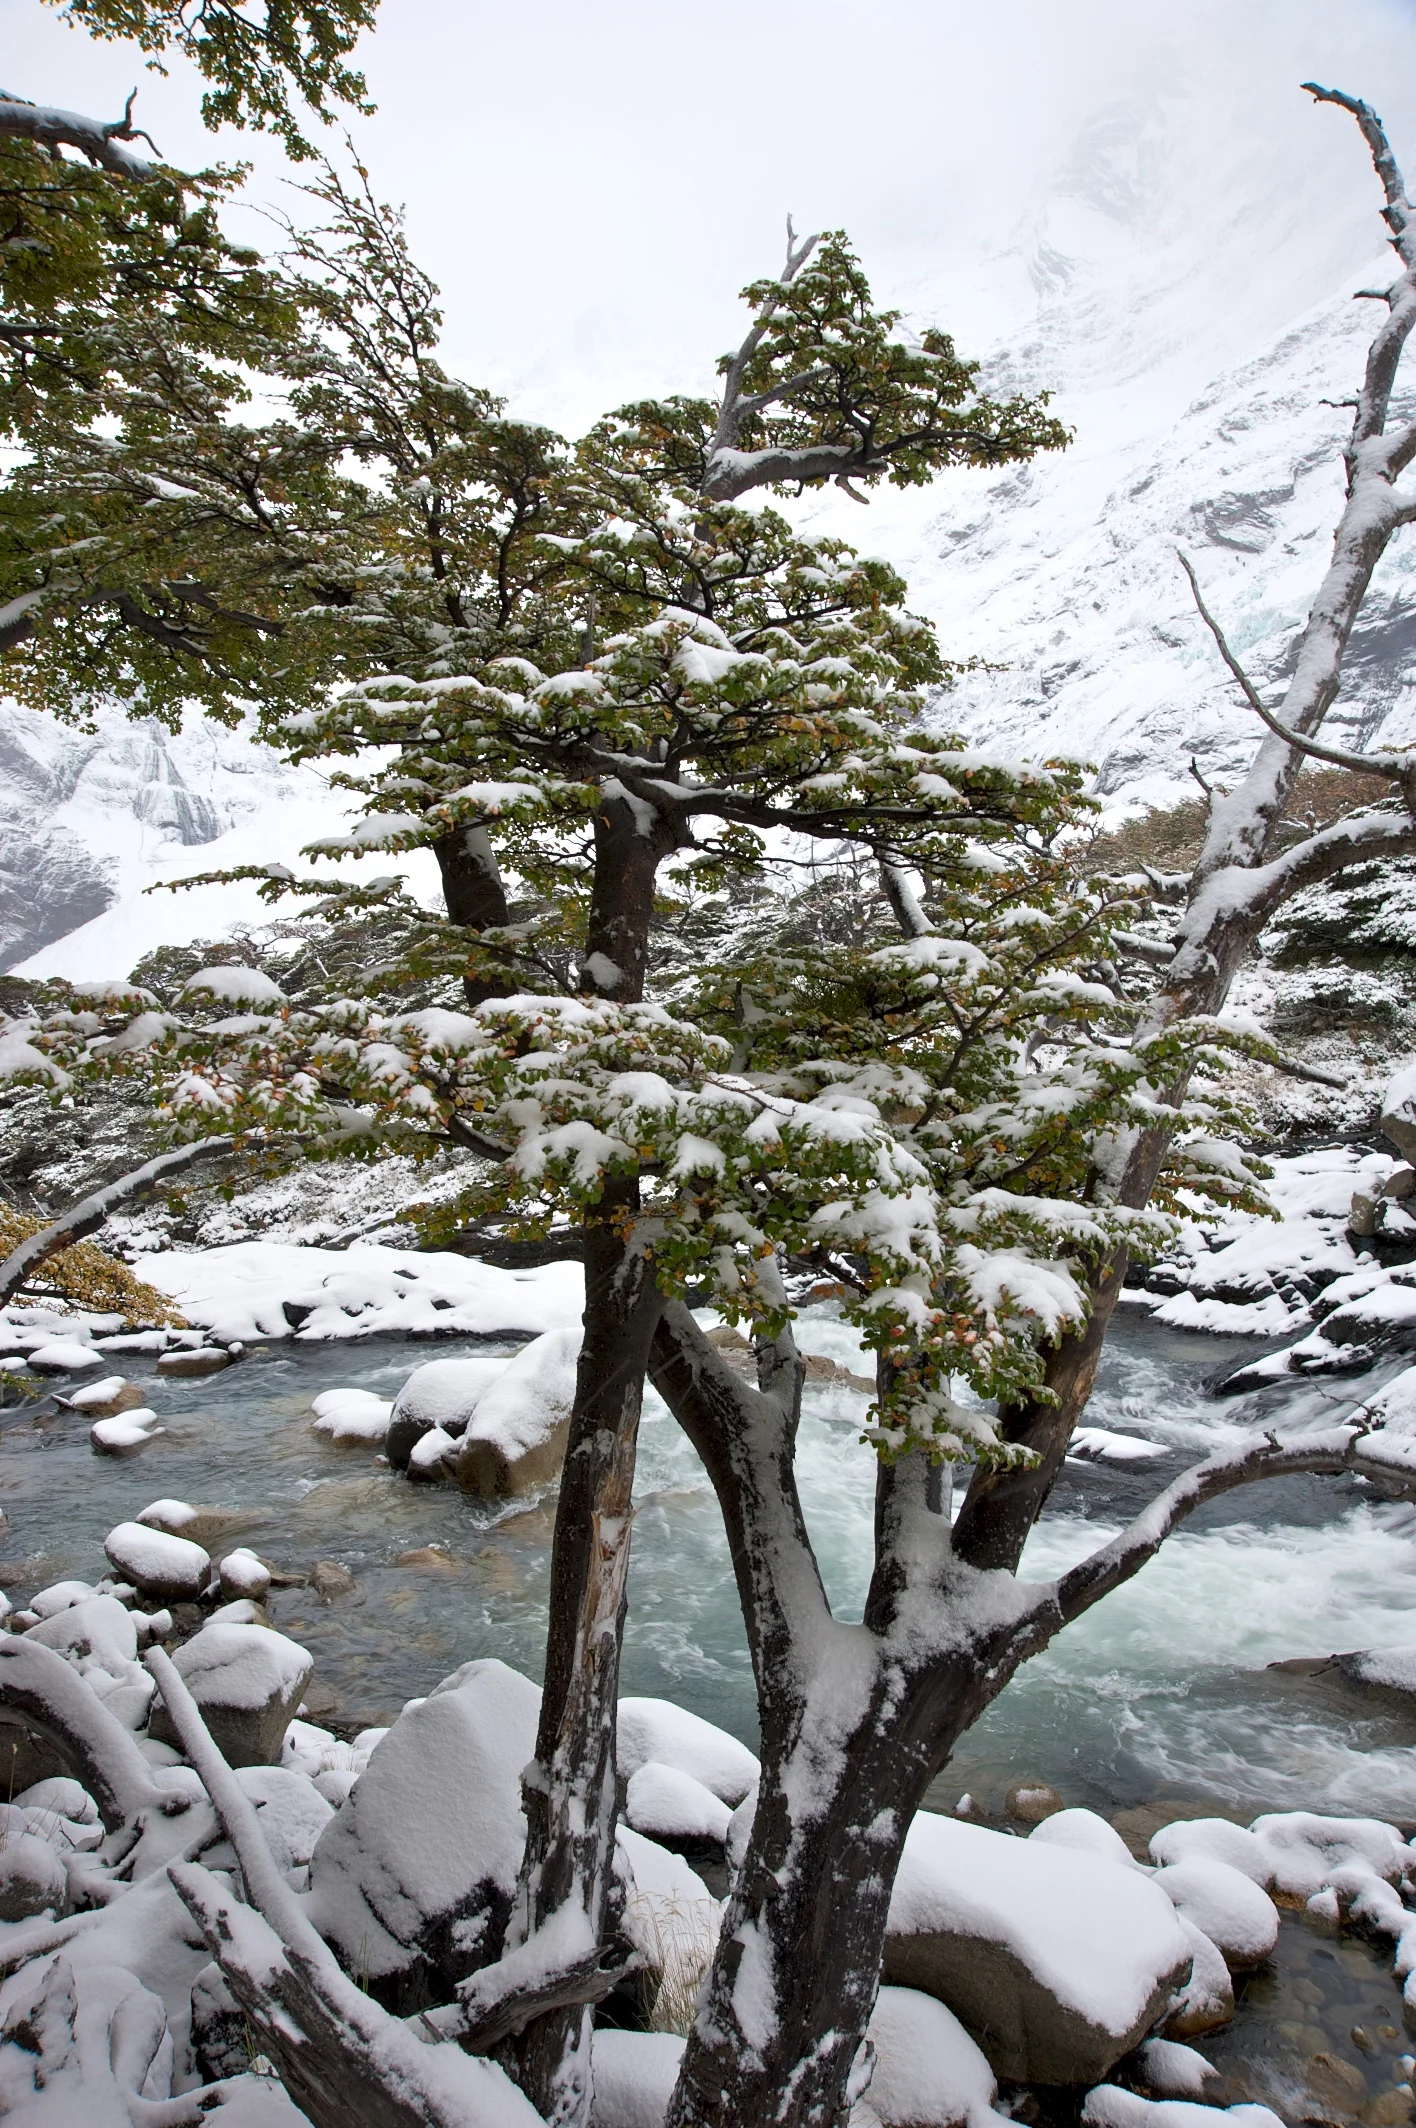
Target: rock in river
{"type": "Point", "coordinates": [1058, 1961]}
{"type": "Point", "coordinates": [170, 1568]}
{"type": "Point", "coordinates": [247, 1681]}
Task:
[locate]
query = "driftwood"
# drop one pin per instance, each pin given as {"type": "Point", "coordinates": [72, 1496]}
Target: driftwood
{"type": "Point", "coordinates": [344, 2060]}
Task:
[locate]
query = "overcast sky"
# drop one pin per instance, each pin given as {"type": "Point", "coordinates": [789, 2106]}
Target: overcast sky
{"type": "Point", "coordinates": [592, 183]}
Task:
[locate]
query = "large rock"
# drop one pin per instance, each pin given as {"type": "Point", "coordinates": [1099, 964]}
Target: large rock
{"type": "Point", "coordinates": [1058, 1961]}
{"type": "Point", "coordinates": [516, 1438]}
{"type": "Point", "coordinates": [439, 1394]}
{"type": "Point", "coordinates": [1238, 1917]}
{"type": "Point", "coordinates": [248, 1682]}
{"type": "Point", "coordinates": [412, 1881]}
{"type": "Point", "coordinates": [928, 2073]}
{"type": "Point", "coordinates": [1387, 1673]}
{"type": "Point", "coordinates": [170, 1568]}
{"type": "Point", "coordinates": [634, 2077]}
{"type": "Point", "coordinates": [656, 1732]}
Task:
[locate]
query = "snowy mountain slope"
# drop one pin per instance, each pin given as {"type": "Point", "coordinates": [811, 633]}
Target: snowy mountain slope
{"type": "Point", "coordinates": [90, 819]}
{"type": "Point", "coordinates": [1191, 325]}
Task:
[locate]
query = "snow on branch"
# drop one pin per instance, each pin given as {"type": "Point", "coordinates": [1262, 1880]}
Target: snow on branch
{"type": "Point", "coordinates": [1398, 212]}
{"type": "Point", "coordinates": [91, 1212]}
{"type": "Point", "coordinates": [1254, 892]}
{"type": "Point", "coordinates": [104, 145]}
{"type": "Point", "coordinates": [1344, 1449]}
{"type": "Point", "coordinates": [1401, 768]}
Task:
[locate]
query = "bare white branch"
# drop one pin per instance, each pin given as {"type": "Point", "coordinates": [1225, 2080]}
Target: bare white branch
{"type": "Point", "coordinates": [104, 145]}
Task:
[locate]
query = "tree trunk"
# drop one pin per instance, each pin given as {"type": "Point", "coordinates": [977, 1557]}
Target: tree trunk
{"type": "Point", "coordinates": [793, 1987]}
{"type": "Point", "coordinates": [571, 1798]}
{"type": "Point", "coordinates": [474, 894]}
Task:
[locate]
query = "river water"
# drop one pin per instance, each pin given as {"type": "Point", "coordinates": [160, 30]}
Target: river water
{"type": "Point", "coordinates": [1160, 1696]}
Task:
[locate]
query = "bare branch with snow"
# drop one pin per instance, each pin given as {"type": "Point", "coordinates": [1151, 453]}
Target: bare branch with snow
{"type": "Point", "coordinates": [104, 145]}
{"type": "Point", "coordinates": [1344, 1450]}
{"type": "Point", "coordinates": [89, 1214]}
{"type": "Point", "coordinates": [1400, 767]}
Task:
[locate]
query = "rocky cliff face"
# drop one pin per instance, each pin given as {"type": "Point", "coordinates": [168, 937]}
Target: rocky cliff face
{"type": "Point", "coordinates": [76, 805]}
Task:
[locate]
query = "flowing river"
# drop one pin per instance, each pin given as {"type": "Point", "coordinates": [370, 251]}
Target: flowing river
{"type": "Point", "coordinates": [1161, 1695]}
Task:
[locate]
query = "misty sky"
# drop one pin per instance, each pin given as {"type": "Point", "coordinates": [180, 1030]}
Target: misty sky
{"type": "Point", "coordinates": [591, 184]}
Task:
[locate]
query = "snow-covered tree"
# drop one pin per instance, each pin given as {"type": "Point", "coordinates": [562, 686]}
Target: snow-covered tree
{"type": "Point", "coordinates": [634, 695]}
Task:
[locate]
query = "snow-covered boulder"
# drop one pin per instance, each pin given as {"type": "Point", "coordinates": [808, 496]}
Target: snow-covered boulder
{"type": "Point", "coordinates": [658, 1731]}
{"type": "Point", "coordinates": [515, 1439]}
{"type": "Point", "coordinates": [33, 1880]}
{"type": "Point", "coordinates": [62, 1355]}
{"type": "Point", "coordinates": [1205, 2000]}
{"type": "Point", "coordinates": [127, 1434]}
{"type": "Point", "coordinates": [170, 1568]}
{"type": "Point", "coordinates": [60, 1596]}
{"type": "Point", "coordinates": [99, 1638]}
{"type": "Point", "coordinates": [440, 1393]}
{"type": "Point", "coordinates": [105, 1399]}
{"type": "Point", "coordinates": [1387, 1673]}
{"type": "Point", "coordinates": [670, 1806]}
{"type": "Point", "coordinates": [418, 1869]}
{"type": "Point", "coordinates": [1218, 1837]}
{"type": "Point", "coordinates": [1305, 1851]}
{"type": "Point", "coordinates": [244, 1573]}
{"type": "Point", "coordinates": [1057, 1961]}
{"type": "Point", "coordinates": [634, 2075]}
{"type": "Point", "coordinates": [178, 1518]}
{"type": "Point", "coordinates": [1108, 2106]}
{"type": "Point", "coordinates": [1238, 1917]}
{"type": "Point", "coordinates": [97, 1626]}
{"type": "Point", "coordinates": [1170, 2069]}
{"type": "Point", "coordinates": [431, 1455]}
{"type": "Point", "coordinates": [928, 2072]}
{"type": "Point", "coordinates": [247, 1681]}
{"type": "Point", "coordinates": [352, 1414]}
{"type": "Point", "coordinates": [1086, 1833]}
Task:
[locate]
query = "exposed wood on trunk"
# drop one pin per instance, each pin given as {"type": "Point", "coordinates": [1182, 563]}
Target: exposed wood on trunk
{"type": "Point", "coordinates": [571, 1796]}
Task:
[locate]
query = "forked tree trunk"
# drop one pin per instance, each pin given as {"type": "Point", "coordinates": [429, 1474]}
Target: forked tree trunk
{"type": "Point", "coordinates": [856, 1721]}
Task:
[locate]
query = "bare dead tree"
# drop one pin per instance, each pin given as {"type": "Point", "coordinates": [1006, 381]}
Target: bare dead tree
{"type": "Point", "coordinates": [1242, 877]}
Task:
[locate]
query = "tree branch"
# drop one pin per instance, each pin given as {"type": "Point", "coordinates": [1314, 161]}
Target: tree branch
{"type": "Point", "coordinates": [102, 144]}
{"type": "Point", "coordinates": [746, 1439]}
{"type": "Point", "coordinates": [1397, 213]}
{"type": "Point", "coordinates": [1365, 764]}
{"type": "Point", "coordinates": [734, 408]}
{"type": "Point", "coordinates": [1347, 1449]}
{"type": "Point", "coordinates": [88, 1215]}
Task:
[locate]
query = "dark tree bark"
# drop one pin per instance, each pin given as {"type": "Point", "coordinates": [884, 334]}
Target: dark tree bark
{"type": "Point", "coordinates": [571, 1794]}
{"type": "Point", "coordinates": [474, 895]}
